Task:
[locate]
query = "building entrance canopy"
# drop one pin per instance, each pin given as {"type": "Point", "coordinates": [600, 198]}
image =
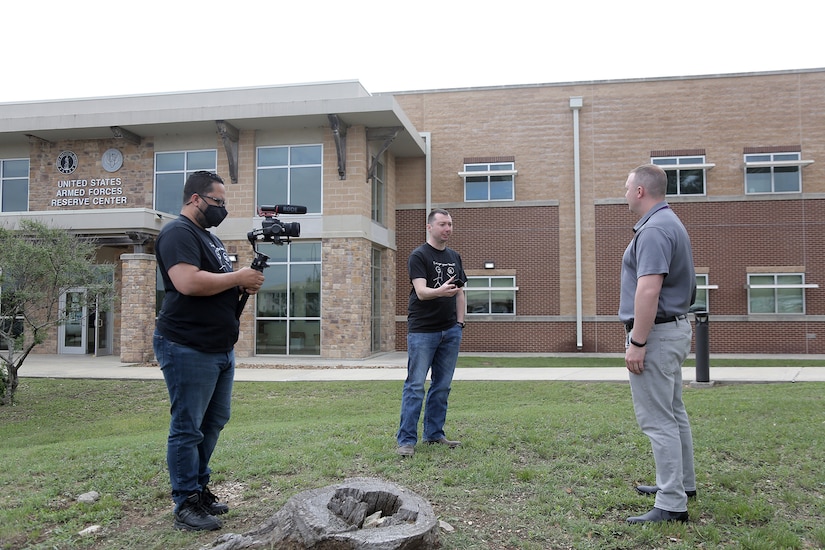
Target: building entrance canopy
{"type": "Point", "coordinates": [115, 227]}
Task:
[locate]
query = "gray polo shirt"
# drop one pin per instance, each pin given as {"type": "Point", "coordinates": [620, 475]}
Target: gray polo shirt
{"type": "Point", "coordinates": [661, 245]}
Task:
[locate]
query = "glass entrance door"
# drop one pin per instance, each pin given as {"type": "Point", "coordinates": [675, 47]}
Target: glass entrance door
{"type": "Point", "coordinates": [88, 326]}
{"type": "Point", "coordinates": [100, 323]}
{"type": "Point", "coordinates": [72, 334]}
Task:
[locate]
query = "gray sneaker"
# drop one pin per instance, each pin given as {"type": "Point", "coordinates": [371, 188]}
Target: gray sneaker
{"type": "Point", "coordinates": [405, 450]}
{"type": "Point", "coordinates": [192, 516]}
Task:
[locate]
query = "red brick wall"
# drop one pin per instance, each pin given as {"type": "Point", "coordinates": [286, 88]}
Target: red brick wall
{"type": "Point", "coordinates": [520, 240]}
{"type": "Point", "coordinates": [728, 238]}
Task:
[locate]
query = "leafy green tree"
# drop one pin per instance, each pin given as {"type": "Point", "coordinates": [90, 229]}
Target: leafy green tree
{"type": "Point", "coordinates": [37, 264]}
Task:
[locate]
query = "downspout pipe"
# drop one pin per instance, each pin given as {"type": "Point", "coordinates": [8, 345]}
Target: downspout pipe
{"type": "Point", "coordinates": [428, 177]}
{"type": "Point", "coordinates": [575, 106]}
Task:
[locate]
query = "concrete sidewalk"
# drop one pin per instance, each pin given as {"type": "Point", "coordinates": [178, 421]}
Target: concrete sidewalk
{"type": "Point", "coordinates": [392, 366]}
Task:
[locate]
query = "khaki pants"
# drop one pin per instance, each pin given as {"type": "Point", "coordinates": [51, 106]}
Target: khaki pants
{"type": "Point", "coordinates": [661, 414]}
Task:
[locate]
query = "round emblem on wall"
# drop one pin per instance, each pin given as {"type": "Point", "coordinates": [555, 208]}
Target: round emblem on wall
{"type": "Point", "coordinates": [112, 160]}
{"type": "Point", "coordinates": [66, 162]}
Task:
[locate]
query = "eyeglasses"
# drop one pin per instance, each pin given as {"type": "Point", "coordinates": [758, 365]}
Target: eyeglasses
{"type": "Point", "coordinates": [220, 202]}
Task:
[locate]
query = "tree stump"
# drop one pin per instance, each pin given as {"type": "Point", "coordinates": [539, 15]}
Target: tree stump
{"type": "Point", "coordinates": [357, 514]}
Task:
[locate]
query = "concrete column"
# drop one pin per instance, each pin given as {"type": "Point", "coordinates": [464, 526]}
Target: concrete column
{"type": "Point", "coordinates": [345, 320]}
{"type": "Point", "coordinates": [137, 307]}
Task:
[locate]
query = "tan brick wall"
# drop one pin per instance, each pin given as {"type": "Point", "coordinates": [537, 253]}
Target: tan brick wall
{"type": "Point", "coordinates": [351, 195]}
{"type": "Point", "coordinates": [241, 196]}
{"type": "Point", "coordinates": [620, 123]}
{"type": "Point", "coordinates": [390, 190]}
{"type": "Point", "coordinates": [411, 177]}
{"type": "Point", "coordinates": [133, 181]}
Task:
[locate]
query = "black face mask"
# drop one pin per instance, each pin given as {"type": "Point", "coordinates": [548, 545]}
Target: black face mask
{"type": "Point", "coordinates": [213, 216]}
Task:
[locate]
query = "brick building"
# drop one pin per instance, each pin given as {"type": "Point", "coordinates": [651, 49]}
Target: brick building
{"type": "Point", "coordinates": [533, 176]}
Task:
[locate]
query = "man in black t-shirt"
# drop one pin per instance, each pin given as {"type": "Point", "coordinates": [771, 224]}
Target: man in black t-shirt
{"type": "Point", "coordinates": [435, 321]}
{"type": "Point", "coordinates": [194, 338]}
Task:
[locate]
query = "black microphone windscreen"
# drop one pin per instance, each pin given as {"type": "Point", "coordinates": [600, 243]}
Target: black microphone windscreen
{"type": "Point", "coordinates": [290, 209]}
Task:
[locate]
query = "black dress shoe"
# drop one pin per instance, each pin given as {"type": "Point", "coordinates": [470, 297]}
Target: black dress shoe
{"type": "Point", "coordinates": [652, 490]}
{"type": "Point", "coordinates": [658, 515]}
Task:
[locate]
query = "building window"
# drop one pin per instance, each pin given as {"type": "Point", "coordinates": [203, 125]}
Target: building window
{"type": "Point", "coordinates": [171, 171]}
{"type": "Point", "coordinates": [375, 310]}
{"type": "Point", "coordinates": [10, 329]}
{"type": "Point", "coordinates": [777, 293]}
{"type": "Point", "coordinates": [491, 295]}
{"type": "Point", "coordinates": [11, 326]}
{"type": "Point", "coordinates": [160, 292]}
{"type": "Point", "coordinates": [290, 175]}
{"type": "Point", "coordinates": [489, 181]}
{"type": "Point", "coordinates": [685, 174]}
{"type": "Point", "coordinates": [774, 172]}
{"type": "Point", "coordinates": [14, 185]}
{"type": "Point", "coordinates": [701, 301]}
{"type": "Point", "coordinates": [378, 189]}
{"type": "Point", "coordinates": [288, 306]}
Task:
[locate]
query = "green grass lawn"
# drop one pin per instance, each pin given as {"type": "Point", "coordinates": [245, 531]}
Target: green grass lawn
{"type": "Point", "coordinates": [542, 465]}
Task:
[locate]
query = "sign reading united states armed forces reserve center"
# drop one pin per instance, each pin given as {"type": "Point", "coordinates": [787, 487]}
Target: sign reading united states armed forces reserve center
{"type": "Point", "coordinates": [92, 192]}
{"type": "Point", "coordinates": [75, 193]}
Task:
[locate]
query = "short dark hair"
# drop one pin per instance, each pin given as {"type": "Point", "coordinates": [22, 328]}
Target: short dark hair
{"type": "Point", "coordinates": [435, 211]}
{"type": "Point", "coordinates": [199, 183]}
{"type": "Point", "coordinates": [653, 178]}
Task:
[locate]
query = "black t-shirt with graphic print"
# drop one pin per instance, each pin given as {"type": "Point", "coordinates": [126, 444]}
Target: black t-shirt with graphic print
{"type": "Point", "coordinates": [436, 266]}
{"type": "Point", "coordinates": [205, 323]}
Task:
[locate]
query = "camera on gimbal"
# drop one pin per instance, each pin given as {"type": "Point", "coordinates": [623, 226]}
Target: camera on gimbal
{"type": "Point", "coordinates": [274, 231]}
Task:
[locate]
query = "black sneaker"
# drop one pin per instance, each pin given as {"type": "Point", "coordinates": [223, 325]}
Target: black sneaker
{"type": "Point", "coordinates": [210, 502]}
{"type": "Point", "coordinates": [192, 516]}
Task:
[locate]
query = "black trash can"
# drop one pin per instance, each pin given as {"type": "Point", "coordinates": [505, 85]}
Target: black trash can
{"type": "Point", "coordinates": [702, 346]}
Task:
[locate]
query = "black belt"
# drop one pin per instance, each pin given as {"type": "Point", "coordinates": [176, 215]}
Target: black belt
{"type": "Point", "coordinates": [628, 326]}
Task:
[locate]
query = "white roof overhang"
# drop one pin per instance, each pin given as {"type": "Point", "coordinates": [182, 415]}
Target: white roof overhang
{"type": "Point", "coordinates": [259, 108]}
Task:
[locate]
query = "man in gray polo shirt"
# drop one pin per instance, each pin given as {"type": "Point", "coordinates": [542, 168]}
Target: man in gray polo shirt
{"type": "Point", "coordinates": [658, 288]}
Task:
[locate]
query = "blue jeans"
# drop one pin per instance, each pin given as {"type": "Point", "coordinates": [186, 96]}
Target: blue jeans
{"type": "Point", "coordinates": [428, 350]}
{"type": "Point", "coordinates": [200, 391]}
{"type": "Point", "coordinates": [661, 414]}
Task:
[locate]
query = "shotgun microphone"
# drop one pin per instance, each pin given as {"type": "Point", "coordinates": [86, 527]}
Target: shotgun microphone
{"type": "Point", "coordinates": [285, 209]}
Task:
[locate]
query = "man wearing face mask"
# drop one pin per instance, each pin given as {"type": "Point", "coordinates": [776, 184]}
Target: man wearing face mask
{"type": "Point", "coordinates": [194, 343]}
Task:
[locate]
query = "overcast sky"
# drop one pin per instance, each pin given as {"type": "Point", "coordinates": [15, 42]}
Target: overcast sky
{"type": "Point", "coordinates": [89, 48]}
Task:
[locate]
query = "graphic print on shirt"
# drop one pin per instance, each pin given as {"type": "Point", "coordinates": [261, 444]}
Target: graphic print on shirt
{"type": "Point", "coordinates": [222, 256]}
{"type": "Point", "coordinates": [443, 271]}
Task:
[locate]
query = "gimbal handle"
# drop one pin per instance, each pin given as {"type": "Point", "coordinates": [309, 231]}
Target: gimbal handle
{"type": "Point", "coordinates": [258, 263]}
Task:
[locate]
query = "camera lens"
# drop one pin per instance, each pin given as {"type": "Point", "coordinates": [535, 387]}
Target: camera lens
{"type": "Point", "coordinates": [292, 229]}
